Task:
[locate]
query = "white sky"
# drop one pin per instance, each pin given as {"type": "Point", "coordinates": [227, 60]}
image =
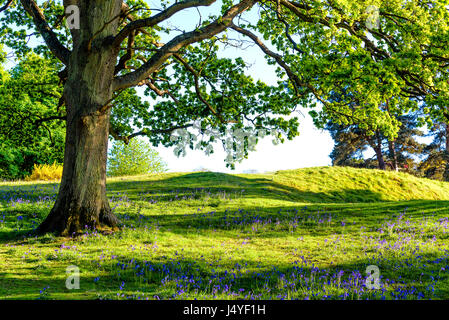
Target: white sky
{"type": "Point", "coordinates": [310, 149]}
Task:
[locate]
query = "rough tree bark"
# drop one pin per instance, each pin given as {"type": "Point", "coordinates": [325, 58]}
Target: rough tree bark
{"type": "Point", "coordinates": [82, 200]}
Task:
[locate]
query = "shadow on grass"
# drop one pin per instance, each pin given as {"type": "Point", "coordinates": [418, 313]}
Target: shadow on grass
{"type": "Point", "coordinates": [195, 185]}
{"type": "Point", "coordinates": [281, 221]}
{"type": "Point", "coordinates": [367, 205]}
{"type": "Point", "coordinates": [16, 235]}
{"type": "Point", "coordinates": [166, 279]}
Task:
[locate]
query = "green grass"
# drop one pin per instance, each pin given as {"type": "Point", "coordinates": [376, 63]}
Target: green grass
{"type": "Point", "coordinates": [297, 234]}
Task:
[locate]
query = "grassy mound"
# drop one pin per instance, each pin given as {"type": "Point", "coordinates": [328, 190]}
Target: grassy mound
{"type": "Point", "coordinates": [344, 184]}
{"type": "Point", "coordinates": [307, 185]}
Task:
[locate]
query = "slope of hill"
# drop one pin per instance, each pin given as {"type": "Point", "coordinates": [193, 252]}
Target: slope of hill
{"type": "Point", "coordinates": [344, 184]}
{"type": "Point", "coordinates": [314, 185]}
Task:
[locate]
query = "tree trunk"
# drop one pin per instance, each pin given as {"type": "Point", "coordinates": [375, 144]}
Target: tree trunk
{"type": "Point", "coordinates": [377, 147]}
{"type": "Point", "coordinates": [447, 137]}
{"type": "Point", "coordinates": [82, 201]}
{"type": "Point", "coordinates": [392, 150]}
{"type": "Point", "coordinates": [391, 144]}
{"type": "Point", "coordinates": [380, 158]}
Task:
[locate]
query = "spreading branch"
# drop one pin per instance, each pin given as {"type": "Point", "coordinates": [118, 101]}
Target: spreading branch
{"type": "Point", "coordinates": [126, 139]}
{"type": "Point", "coordinates": [6, 5]}
{"type": "Point", "coordinates": [296, 81]}
{"type": "Point", "coordinates": [154, 20]}
{"type": "Point", "coordinates": [50, 38]}
{"type": "Point", "coordinates": [196, 77]}
{"type": "Point", "coordinates": [128, 55]}
{"type": "Point", "coordinates": [42, 120]}
{"type": "Point", "coordinates": [180, 41]}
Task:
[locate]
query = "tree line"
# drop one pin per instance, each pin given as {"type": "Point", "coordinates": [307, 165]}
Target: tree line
{"type": "Point", "coordinates": [406, 152]}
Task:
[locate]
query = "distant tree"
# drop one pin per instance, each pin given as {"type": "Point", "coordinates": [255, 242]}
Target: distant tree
{"type": "Point", "coordinates": [201, 169]}
{"type": "Point", "coordinates": [134, 158]}
{"type": "Point", "coordinates": [349, 144]}
{"type": "Point", "coordinates": [251, 171]}
{"type": "Point", "coordinates": [356, 131]}
{"type": "Point", "coordinates": [351, 141]}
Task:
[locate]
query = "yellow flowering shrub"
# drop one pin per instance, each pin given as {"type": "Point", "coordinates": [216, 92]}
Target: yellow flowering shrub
{"type": "Point", "coordinates": [45, 172]}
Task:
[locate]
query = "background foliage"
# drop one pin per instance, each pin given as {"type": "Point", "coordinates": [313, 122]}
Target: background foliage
{"type": "Point", "coordinates": [29, 93]}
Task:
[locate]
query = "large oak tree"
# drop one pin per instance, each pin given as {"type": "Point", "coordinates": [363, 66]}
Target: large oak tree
{"type": "Point", "coordinates": [320, 47]}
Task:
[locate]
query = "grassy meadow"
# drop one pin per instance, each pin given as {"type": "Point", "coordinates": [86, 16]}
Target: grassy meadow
{"type": "Point", "coordinates": [297, 234]}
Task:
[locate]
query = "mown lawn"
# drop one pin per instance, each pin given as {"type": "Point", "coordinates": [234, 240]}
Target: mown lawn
{"type": "Point", "coordinates": [298, 234]}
